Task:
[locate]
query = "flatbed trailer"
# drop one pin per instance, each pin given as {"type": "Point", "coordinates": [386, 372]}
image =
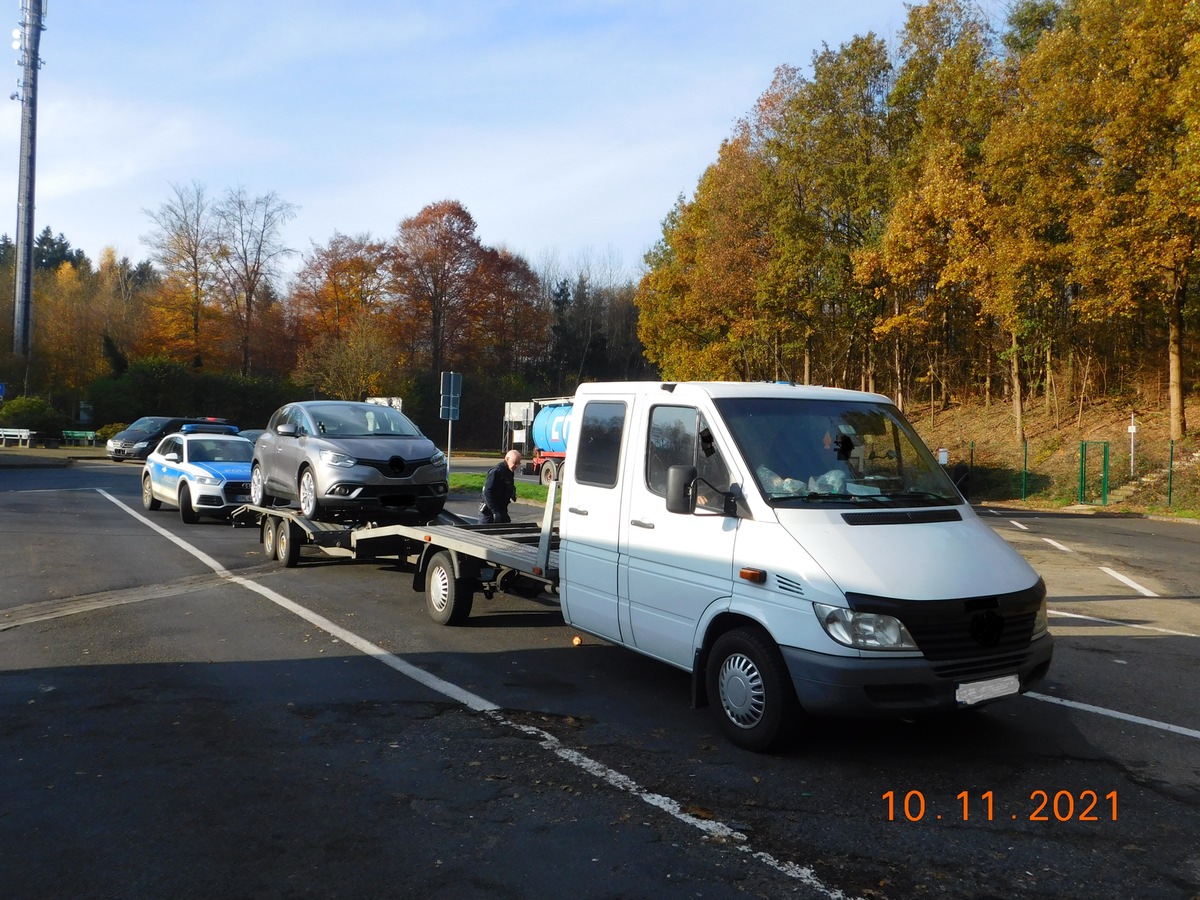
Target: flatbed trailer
{"type": "Point", "coordinates": [452, 559]}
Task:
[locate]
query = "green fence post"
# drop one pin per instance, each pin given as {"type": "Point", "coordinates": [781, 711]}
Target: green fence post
{"type": "Point", "coordinates": [1104, 482]}
{"type": "Point", "coordinates": [1082, 467]}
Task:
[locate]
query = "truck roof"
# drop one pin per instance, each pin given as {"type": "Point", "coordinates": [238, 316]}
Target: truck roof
{"type": "Point", "coordinates": [720, 389]}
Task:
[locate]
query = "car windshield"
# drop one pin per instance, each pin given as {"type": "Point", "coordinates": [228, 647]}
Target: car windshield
{"type": "Point", "coordinates": [360, 420]}
{"type": "Point", "coordinates": [149, 424]}
{"type": "Point", "coordinates": [220, 450]}
{"type": "Point", "coordinates": [808, 451]}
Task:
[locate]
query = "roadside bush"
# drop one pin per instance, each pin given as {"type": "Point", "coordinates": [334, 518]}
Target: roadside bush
{"type": "Point", "coordinates": [34, 413]}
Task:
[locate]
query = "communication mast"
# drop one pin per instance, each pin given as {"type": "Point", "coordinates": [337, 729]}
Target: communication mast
{"type": "Point", "coordinates": [26, 39]}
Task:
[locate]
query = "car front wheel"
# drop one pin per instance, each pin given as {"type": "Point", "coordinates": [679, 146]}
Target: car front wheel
{"type": "Point", "coordinates": [310, 506]}
{"type": "Point", "coordinates": [187, 512]}
{"type": "Point", "coordinates": [149, 501]}
{"type": "Point", "coordinates": [258, 488]}
{"type": "Point", "coordinates": [750, 690]}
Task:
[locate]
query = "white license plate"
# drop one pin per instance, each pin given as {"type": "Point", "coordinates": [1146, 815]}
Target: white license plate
{"type": "Point", "coordinates": [977, 691]}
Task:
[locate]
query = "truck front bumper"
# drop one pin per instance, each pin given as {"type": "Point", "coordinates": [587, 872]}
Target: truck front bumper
{"type": "Point", "coordinates": [855, 686]}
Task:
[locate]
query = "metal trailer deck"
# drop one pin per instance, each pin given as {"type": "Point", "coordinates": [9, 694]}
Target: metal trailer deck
{"type": "Point", "coordinates": [452, 558]}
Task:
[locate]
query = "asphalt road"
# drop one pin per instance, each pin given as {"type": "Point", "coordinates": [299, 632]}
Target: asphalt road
{"type": "Point", "coordinates": [180, 718]}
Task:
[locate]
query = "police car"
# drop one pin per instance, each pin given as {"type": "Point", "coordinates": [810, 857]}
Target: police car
{"type": "Point", "coordinates": [203, 469]}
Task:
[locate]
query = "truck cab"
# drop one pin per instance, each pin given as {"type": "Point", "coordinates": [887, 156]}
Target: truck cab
{"type": "Point", "coordinates": [797, 549]}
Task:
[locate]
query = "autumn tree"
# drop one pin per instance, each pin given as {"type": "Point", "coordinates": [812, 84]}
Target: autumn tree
{"type": "Point", "coordinates": [249, 250]}
{"type": "Point", "coordinates": [942, 105]}
{"type": "Point", "coordinates": [184, 244]}
{"type": "Point", "coordinates": [432, 273]}
{"type": "Point", "coordinates": [697, 301]}
{"type": "Point", "coordinates": [337, 282]}
{"type": "Point", "coordinates": [352, 363]}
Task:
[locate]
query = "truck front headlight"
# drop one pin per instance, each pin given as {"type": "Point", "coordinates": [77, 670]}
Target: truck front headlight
{"type": "Point", "coordinates": [863, 630]}
{"type": "Point", "coordinates": [1041, 621]}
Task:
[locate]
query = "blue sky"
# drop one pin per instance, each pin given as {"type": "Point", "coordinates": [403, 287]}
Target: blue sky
{"type": "Point", "coordinates": [567, 129]}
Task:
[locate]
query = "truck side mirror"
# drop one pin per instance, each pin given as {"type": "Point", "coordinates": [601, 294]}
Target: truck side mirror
{"type": "Point", "coordinates": [681, 496]}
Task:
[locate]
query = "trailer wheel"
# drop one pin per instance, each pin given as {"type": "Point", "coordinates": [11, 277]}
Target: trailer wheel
{"type": "Point", "coordinates": [448, 599]}
{"type": "Point", "coordinates": [548, 472]}
{"type": "Point", "coordinates": [751, 692]}
{"type": "Point", "coordinates": [270, 551]}
{"type": "Point", "coordinates": [287, 543]}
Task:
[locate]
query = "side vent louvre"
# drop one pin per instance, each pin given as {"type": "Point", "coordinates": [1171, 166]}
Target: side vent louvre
{"type": "Point", "coordinates": [789, 585]}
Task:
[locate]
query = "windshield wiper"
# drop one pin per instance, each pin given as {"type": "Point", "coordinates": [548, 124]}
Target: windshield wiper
{"type": "Point", "coordinates": [814, 496]}
{"type": "Point", "coordinates": [918, 495]}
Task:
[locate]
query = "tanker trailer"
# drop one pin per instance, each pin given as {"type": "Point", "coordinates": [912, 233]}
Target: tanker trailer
{"type": "Point", "coordinates": [550, 427]}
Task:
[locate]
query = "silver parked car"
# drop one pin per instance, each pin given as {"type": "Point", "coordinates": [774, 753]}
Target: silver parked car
{"type": "Point", "coordinates": [337, 457]}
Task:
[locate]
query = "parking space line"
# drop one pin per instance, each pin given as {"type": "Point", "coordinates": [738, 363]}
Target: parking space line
{"type": "Point", "coordinates": [1129, 582]}
{"type": "Point", "coordinates": [1057, 545]}
{"type": "Point", "coordinates": [710, 827]}
{"type": "Point", "coordinates": [1067, 615]}
{"type": "Point", "coordinates": [1114, 714]}
{"type": "Point", "coordinates": [1014, 522]}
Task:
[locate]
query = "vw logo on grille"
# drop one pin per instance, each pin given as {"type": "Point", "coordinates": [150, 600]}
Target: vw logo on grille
{"type": "Point", "coordinates": [986, 627]}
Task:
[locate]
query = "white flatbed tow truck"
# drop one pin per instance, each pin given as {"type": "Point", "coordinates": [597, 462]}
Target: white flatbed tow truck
{"type": "Point", "coordinates": [452, 558]}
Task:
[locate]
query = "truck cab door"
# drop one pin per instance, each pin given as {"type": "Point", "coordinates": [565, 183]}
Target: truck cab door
{"type": "Point", "coordinates": [673, 566]}
{"type": "Point", "coordinates": [588, 553]}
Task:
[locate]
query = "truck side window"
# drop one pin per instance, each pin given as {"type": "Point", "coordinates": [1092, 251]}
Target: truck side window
{"type": "Point", "coordinates": [679, 436]}
{"type": "Point", "coordinates": [671, 442]}
{"type": "Point", "coordinates": [598, 453]}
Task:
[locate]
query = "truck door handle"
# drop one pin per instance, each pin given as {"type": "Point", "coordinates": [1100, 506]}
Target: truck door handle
{"type": "Point", "coordinates": [577, 510]}
{"type": "Point", "coordinates": [640, 524]}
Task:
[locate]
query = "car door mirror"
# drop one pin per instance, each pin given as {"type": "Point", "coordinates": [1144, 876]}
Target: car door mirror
{"type": "Point", "coordinates": [287, 429]}
{"type": "Point", "coordinates": [681, 496]}
{"type": "Point", "coordinates": [172, 457]}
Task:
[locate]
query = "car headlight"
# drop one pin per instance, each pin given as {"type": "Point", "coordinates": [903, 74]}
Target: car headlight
{"type": "Point", "coordinates": [863, 630]}
{"type": "Point", "coordinates": [1041, 621]}
{"type": "Point", "coordinates": [207, 479]}
{"type": "Point", "coordinates": [141, 445]}
{"type": "Point", "coordinates": [109, 443]}
{"type": "Point", "coordinates": [334, 458]}
{"type": "Point", "coordinates": [438, 458]}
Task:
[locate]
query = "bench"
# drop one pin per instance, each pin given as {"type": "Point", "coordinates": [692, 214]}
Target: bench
{"type": "Point", "coordinates": [19, 437]}
{"type": "Point", "coordinates": [79, 438]}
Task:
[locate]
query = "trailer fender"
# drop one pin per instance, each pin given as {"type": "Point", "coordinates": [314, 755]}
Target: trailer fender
{"type": "Point", "coordinates": [464, 566]}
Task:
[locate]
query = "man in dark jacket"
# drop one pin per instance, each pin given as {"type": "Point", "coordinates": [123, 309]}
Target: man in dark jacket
{"type": "Point", "coordinates": [499, 489]}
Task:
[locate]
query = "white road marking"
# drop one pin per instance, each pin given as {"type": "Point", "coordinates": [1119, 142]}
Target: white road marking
{"type": "Point", "coordinates": [594, 768]}
{"type": "Point", "coordinates": [1124, 579]}
{"type": "Point", "coordinates": [1067, 615]}
{"type": "Point", "coordinates": [1113, 714]}
{"type": "Point", "coordinates": [1145, 592]}
{"type": "Point", "coordinates": [1018, 524]}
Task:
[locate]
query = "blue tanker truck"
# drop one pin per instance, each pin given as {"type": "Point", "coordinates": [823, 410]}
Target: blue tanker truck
{"type": "Point", "coordinates": [539, 428]}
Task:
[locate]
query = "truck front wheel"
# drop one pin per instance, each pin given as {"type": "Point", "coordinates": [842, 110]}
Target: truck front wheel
{"type": "Point", "coordinates": [750, 691]}
{"type": "Point", "coordinates": [448, 599]}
